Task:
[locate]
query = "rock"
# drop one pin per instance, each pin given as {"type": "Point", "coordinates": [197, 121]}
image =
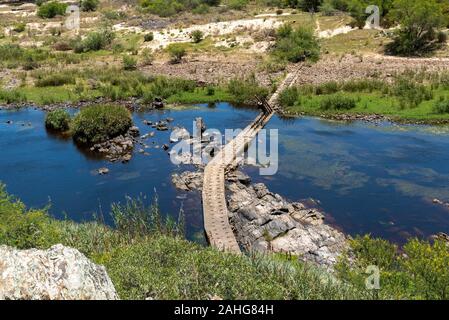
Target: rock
{"type": "Point", "coordinates": [126, 158]}
{"type": "Point", "coordinates": [188, 181]}
{"type": "Point", "coordinates": [157, 103]}
{"type": "Point", "coordinates": [238, 176]}
{"type": "Point", "coordinates": [59, 273]}
{"type": "Point", "coordinates": [441, 236]}
{"type": "Point", "coordinates": [148, 123]}
{"type": "Point", "coordinates": [161, 126]}
{"type": "Point", "coordinates": [200, 125]}
{"type": "Point", "coordinates": [264, 221]}
{"type": "Point", "coordinates": [169, 119]}
{"type": "Point", "coordinates": [103, 171]}
{"type": "Point", "coordinates": [134, 131]}
{"type": "Point", "coordinates": [165, 147]}
{"type": "Point", "coordinates": [9, 122]}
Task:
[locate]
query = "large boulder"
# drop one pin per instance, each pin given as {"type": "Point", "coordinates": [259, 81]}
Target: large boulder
{"type": "Point", "coordinates": [59, 273]}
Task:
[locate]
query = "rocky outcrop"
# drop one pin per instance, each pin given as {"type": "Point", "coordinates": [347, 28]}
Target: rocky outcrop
{"type": "Point", "coordinates": [119, 148]}
{"type": "Point", "coordinates": [266, 222]}
{"type": "Point", "coordinates": [59, 273]}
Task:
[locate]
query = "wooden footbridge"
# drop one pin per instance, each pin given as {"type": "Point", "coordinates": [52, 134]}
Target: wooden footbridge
{"type": "Point", "coordinates": [216, 222]}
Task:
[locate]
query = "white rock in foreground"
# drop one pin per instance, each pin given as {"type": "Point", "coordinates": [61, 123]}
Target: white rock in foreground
{"type": "Point", "coordinates": [59, 273]}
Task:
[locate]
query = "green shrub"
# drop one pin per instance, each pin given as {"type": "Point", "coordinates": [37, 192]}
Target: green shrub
{"type": "Point", "coordinates": [19, 27]}
{"type": "Point", "coordinates": [94, 41]}
{"type": "Point", "coordinates": [55, 79]}
{"type": "Point", "coordinates": [136, 219]}
{"type": "Point", "coordinates": [237, 4]}
{"type": "Point", "coordinates": [288, 97]}
{"type": "Point", "coordinates": [51, 9]}
{"type": "Point", "coordinates": [163, 8]}
{"type": "Point", "coordinates": [201, 9]}
{"type": "Point", "coordinates": [337, 102]}
{"type": "Point", "coordinates": [327, 8]}
{"type": "Point", "coordinates": [409, 93]}
{"type": "Point", "coordinates": [164, 87]}
{"type": "Point", "coordinates": [419, 271]}
{"type": "Point", "coordinates": [176, 52]}
{"type": "Point", "coordinates": [441, 107]}
{"type": "Point", "coordinates": [12, 96]}
{"type": "Point", "coordinates": [148, 37]}
{"type": "Point", "coordinates": [197, 36]}
{"type": "Point", "coordinates": [210, 90]}
{"type": "Point", "coordinates": [89, 5]}
{"type": "Point", "coordinates": [99, 123]}
{"type": "Point", "coordinates": [129, 63]}
{"type": "Point", "coordinates": [58, 120]}
{"type": "Point", "coordinates": [296, 45]}
{"type": "Point", "coordinates": [22, 228]}
{"type": "Point", "coordinates": [146, 57]}
{"type": "Point", "coordinates": [245, 90]}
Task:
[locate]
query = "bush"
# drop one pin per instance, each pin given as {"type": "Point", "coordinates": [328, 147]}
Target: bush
{"type": "Point", "coordinates": [245, 90]}
{"type": "Point", "coordinates": [12, 96]}
{"type": "Point", "coordinates": [129, 63]}
{"type": "Point", "coordinates": [165, 87]}
{"type": "Point", "coordinates": [55, 79]}
{"type": "Point", "coordinates": [176, 52]}
{"type": "Point", "coordinates": [148, 37]}
{"type": "Point", "coordinates": [58, 120]}
{"type": "Point", "coordinates": [410, 93]}
{"type": "Point", "coordinates": [296, 45]}
{"type": "Point", "coordinates": [51, 9]}
{"type": "Point", "coordinates": [19, 27]}
{"type": "Point", "coordinates": [327, 8]}
{"type": "Point", "coordinates": [22, 228]}
{"type": "Point", "coordinates": [94, 41]}
{"type": "Point", "coordinates": [337, 102]}
{"type": "Point", "coordinates": [441, 107]}
{"type": "Point", "coordinates": [237, 4]}
{"type": "Point", "coordinates": [163, 8]}
{"type": "Point", "coordinates": [419, 271]}
{"type": "Point", "coordinates": [288, 97]}
{"type": "Point", "coordinates": [98, 123]}
{"type": "Point", "coordinates": [146, 57]}
{"type": "Point", "coordinates": [197, 36]}
{"type": "Point", "coordinates": [201, 9]}
{"type": "Point", "coordinates": [89, 5]}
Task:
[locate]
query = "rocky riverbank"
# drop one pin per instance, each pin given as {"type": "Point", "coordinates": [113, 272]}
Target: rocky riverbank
{"type": "Point", "coordinates": [266, 222]}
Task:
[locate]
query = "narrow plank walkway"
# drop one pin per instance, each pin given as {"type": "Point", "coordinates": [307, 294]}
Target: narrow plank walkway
{"type": "Point", "coordinates": [216, 222]}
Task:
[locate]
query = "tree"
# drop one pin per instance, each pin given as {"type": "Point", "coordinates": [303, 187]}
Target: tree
{"type": "Point", "coordinates": [295, 45]}
{"type": "Point", "coordinates": [419, 21]}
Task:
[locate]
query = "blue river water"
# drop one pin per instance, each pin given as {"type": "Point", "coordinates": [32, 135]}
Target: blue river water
{"type": "Point", "coordinates": [377, 179]}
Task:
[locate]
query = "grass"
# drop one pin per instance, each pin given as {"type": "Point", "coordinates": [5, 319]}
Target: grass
{"type": "Point", "coordinates": [146, 256]}
{"type": "Point", "coordinates": [201, 95]}
{"type": "Point", "coordinates": [358, 41]}
{"type": "Point", "coordinates": [410, 97]}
